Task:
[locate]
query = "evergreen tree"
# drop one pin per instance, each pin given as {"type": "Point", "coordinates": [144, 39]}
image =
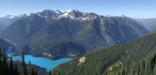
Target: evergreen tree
{"type": "Point", "coordinates": [23, 70]}
{"type": "Point", "coordinates": [49, 72]}
{"type": "Point", "coordinates": [16, 72]}
{"type": "Point", "coordinates": [33, 72]}
{"type": "Point", "coordinates": [4, 64]}
{"type": "Point", "coordinates": [0, 52]}
{"type": "Point", "coordinates": [11, 66]}
{"type": "Point", "coordinates": [0, 62]}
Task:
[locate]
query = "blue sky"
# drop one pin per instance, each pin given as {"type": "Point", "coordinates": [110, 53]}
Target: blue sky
{"type": "Point", "coordinates": [131, 8]}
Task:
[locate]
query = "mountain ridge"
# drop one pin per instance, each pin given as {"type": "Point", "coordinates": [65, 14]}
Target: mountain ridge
{"type": "Point", "coordinates": [46, 31]}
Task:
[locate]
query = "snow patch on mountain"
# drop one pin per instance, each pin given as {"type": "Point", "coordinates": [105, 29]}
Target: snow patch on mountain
{"type": "Point", "coordinates": [10, 42]}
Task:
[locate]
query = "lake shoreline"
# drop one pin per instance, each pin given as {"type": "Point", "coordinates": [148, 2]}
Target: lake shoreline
{"type": "Point", "coordinates": [42, 62]}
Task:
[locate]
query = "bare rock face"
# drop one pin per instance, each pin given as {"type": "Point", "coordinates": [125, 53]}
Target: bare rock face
{"type": "Point", "coordinates": [81, 60]}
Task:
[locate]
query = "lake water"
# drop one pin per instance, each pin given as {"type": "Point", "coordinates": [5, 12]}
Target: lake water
{"type": "Point", "coordinates": [42, 62]}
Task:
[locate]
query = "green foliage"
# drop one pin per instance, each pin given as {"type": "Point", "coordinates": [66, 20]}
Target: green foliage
{"type": "Point", "coordinates": [136, 58]}
{"type": "Point", "coordinates": [33, 72]}
{"type": "Point", "coordinates": [8, 67]}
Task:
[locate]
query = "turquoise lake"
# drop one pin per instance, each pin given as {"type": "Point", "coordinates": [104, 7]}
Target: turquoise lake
{"type": "Point", "coordinates": [42, 62]}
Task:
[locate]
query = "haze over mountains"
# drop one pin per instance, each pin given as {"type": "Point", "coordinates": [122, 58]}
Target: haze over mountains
{"type": "Point", "coordinates": [70, 33]}
{"type": "Point", "coordinates": [149, 23]}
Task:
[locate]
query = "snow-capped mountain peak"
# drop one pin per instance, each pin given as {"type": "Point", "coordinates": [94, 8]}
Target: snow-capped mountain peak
{"type": "Point", "coordinates": [10, 16]}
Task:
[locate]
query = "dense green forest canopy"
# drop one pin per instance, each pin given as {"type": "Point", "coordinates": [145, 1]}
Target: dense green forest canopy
{"type": "Point", "coordinates": [135, 58]}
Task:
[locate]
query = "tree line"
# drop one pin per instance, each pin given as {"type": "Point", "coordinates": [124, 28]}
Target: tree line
{"type": "Point", "coordinates": [8, 67]}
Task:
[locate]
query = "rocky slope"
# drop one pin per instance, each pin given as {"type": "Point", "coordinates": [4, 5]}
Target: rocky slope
{"type": "Point", "coordinates": [7, 45]}
{"type": "Point", "coordinates": [6, 21]}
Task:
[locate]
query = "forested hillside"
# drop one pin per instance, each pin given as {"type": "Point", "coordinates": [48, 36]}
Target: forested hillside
{"type": "Point", "coordinates": [135, 58]}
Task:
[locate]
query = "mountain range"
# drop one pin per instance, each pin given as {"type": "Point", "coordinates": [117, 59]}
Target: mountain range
{"type": "Point", "coordinates": [70, 33]}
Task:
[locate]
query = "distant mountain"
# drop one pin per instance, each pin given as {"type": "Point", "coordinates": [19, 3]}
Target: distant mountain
{"type": "Point", "coordinates": [6, 21]}
{"type": "Point", "coordinates": [136, 58]}
{"type": "Point", "coordinates": [149, 23]}
{"type": "Point", "coordinates": [7, 45]}
{"type": "Point", "coordinates": [71, 33]}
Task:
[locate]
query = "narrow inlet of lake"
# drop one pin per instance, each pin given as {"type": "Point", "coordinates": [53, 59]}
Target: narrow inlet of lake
{"type": "Point", "coordinates": [42, 61]}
